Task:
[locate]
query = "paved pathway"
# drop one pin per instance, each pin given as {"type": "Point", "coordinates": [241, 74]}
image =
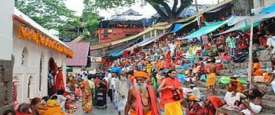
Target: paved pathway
{"type": "Point", "coordinates": [109, 111]}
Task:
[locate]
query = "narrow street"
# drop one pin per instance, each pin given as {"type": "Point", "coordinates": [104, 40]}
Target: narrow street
{"type": "Point", "coordinates": [109, 111]}
{"type": "Point", "coordinates": [152, 57]}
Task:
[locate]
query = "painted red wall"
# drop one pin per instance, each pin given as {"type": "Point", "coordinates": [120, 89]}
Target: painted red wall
{"type": "Point", "coordinates": [111, 34]}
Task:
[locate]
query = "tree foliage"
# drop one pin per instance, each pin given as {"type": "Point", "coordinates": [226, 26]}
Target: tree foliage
{"type": "Point", "coordinates": [71, 29]}
{"type": "Point", "coordinates": [90, 20]}
{"type": "Point", "coordinates": [166, 12]}
{"type": "Point", "coordinates": [51, 14]}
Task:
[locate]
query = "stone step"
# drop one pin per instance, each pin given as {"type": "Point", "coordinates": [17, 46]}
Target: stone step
{"type": "Point", "coordinates": [268, 99]}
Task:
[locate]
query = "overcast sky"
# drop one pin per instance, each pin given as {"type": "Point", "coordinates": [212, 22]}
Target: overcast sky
{"type": "Point", "coordinates": [77, 5]}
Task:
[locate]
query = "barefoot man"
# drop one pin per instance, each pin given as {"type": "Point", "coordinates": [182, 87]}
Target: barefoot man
{"type": "Point", "coordinates": [141, 97]}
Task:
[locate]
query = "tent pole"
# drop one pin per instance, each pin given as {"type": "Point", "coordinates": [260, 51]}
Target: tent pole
{"type": "Point", "coordinates": [250, 79]}
{"type": "Point", "coordinates": [197, 8]}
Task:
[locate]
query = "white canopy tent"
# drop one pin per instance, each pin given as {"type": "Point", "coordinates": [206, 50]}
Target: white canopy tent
{"type": "Point", "coordinates": [245, 21]}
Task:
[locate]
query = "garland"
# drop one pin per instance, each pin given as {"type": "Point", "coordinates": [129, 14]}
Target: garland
{"type": "Point", "coordinates": [26, 33]}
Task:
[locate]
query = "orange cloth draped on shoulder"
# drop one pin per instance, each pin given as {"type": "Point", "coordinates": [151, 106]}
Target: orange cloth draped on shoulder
{"type": "Point", "coordinates": [86, 97]}
{"type": "Point", "coordinates": [53, 108]}
{"type": "Point", "coordinates": [152, 98]}
{"type": "Point", "coordinates": [257, 69]}
{"type": "Point", "coordinates": [153, 103]}
{"type": "Point", "coordinates": [166, 95]}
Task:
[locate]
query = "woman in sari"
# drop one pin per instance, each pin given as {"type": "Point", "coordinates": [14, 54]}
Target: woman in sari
{"type": "Point", "coordinates": [86, 96]}
{"type": "Point", "coordinates": [211, 77]}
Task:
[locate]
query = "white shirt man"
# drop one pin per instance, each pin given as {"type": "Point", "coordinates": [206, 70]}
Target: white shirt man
{"type": "Point", "coordinates": [271, 43]}
{"type": "Point", "coordinates": [230, 98]}
{"type": "Point", "coordinates": [172, 48]}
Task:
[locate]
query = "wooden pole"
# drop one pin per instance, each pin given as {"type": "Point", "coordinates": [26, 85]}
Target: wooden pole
{"type": "Point", "coordinates": [250, 79]}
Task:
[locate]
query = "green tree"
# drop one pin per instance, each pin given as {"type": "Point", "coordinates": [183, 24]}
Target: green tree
{"type": "Point", "coordinates": [166, 12]}
{"type": "Point", "coordinates": [84, 26]}
{"type": "Point", "coordinates": [51, 14]}
{"type": "Point", "coordinates": [71, 29]}
{"type": "Point", "coordinates": [90, 20]}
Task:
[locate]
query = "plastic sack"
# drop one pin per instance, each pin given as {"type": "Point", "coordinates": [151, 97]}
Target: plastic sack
{"type": "Point", "coordinates": [224, 80]}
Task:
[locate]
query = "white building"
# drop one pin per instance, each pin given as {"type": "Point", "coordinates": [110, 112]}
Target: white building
{"type": "Point", "coordinates": [6, 12]}
{"type": "Point", "coordinates": [33, 48]}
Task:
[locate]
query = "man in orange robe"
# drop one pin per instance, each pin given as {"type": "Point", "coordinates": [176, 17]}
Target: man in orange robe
{"type": "Point", "coordinates": [141, 97]}
{"type": "Point", "coordinates": [171, 94]}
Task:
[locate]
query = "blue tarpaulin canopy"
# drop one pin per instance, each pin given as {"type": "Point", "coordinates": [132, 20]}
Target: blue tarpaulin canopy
{"type": "Point", "coordinates": [117, 53]}
{"type": "Point", "coordinates": [144, 42]}
{"type": "Point", "coordinates": [205, 30]}
{"type": "Point", "coordinates": [177, 27]}
{"type": "Point", "coordinates": [209, 27]}
{"type": "Point", "coordinates": [268, 10]}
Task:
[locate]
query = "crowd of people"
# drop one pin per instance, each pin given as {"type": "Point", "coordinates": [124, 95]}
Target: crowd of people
{"type": "Point", "coordinates": [168, 77]}
{"type": "Point", "coordinates": [61, 100]}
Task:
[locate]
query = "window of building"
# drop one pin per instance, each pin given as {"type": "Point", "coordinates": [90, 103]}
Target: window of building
{"type": "Point", "coordinates": [24, 57]}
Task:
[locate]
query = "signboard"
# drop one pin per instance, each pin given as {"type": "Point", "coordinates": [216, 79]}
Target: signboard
{"type": "Point", "coordinates": [96, 59]}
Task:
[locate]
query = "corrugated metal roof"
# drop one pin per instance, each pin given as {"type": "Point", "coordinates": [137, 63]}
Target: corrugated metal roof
{"type": "Point", "coordinates": [81, 51]}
